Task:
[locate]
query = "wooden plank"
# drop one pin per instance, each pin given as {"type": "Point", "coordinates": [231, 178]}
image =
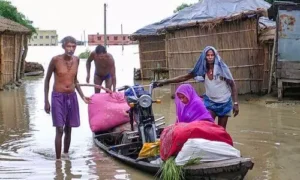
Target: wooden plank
{"type": "Point", "coordinates": [291, 80]}
{"type": "Point", "coordinates": [230, 162]}
{"type": "Point", "coordinates": [123, 146]}
{"type": "Point", "coordinates": [107, 134]}
{"type": "Point", "coordinates": [279, 89]}
{"type": "Point", "coordinates": [288, 74]}
{"type": "Point", "coordinates": [288, 65]}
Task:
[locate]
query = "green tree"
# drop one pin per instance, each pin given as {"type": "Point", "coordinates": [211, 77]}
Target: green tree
{"type": "Point", "coordinates": [9, 11]}
{"type": "Point", "coordinates": [182, 6]}
{"type": "Point", "coordinates": [85, 54]}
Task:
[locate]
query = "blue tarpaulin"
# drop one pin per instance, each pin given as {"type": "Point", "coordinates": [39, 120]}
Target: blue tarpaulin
{"type": "Point", "coordinates": [202, 11]}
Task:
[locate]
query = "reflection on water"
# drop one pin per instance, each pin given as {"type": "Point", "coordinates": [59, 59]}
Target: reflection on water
{"type": "Point", "coordinates": [269, 134]}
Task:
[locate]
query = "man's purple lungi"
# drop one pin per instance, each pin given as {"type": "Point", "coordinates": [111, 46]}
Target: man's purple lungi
{"type": "Point", "coordinates": [65, 109]}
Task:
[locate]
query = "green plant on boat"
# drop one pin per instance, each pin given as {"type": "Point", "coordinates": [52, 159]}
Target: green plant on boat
{"type": "Point", "coordinates": [170, 171]}
{"type": "Point", "coordinates": [85, 54]}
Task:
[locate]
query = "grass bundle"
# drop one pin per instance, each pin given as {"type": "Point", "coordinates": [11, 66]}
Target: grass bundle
{"type": "Point", "coordinates": [170, 171]}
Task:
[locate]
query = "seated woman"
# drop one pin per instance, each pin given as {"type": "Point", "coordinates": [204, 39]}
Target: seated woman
{"type": "Point", "coordinates": [189, 106]}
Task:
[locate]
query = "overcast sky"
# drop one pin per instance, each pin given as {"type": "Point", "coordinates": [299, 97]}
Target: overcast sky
{"type": "Point", "coordinates": [72, 17]}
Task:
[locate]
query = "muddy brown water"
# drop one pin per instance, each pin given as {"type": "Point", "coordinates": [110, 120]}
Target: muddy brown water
{"type": "Point", "coordinates": [267, 133]}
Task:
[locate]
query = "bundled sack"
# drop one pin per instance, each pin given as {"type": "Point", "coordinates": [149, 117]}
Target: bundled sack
{"type": "Point", "coordinates": [150, 150]}
{"type": "Point", "coordinates": [107, 111]}
{"type": "Point", "coordinates": [173, 137]}
{"type": "Point", "coordinates": [206, 151]}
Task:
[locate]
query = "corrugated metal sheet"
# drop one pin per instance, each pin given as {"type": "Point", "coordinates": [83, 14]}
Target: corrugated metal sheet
{"type": "Point", "coordinates": [289, 35]}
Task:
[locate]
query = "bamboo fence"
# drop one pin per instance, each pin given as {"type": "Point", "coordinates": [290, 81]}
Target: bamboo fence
{"type": "Point", "coordinates": [11, 58]}
{"type": "Point", "coordinates": [238, 45]}
{"type": "Point", "coordinates": [152, 54]}
{"type": "Point", "coordinates": [13, 39]}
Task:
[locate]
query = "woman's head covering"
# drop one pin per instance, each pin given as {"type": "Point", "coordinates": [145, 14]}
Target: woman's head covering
{"type": "Point", "coordinates": [220, 68]}
{"type": "Point", "coordinates": [194, 109]}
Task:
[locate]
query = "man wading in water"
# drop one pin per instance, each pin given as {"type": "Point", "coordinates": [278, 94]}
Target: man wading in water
{"type": "Point", "coordinates": [219, 85]}
{"type": "Point", "coordinates": [64, 104]}
{"type": "Point", "coordinates": [104, 68]}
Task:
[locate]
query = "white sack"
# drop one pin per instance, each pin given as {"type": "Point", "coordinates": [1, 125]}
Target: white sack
{"type": "Point", "coordinates": [207, 151]}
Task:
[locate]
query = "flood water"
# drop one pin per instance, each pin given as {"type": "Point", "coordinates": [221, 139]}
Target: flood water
{"type": "Point", "coordinates": [269, 134]}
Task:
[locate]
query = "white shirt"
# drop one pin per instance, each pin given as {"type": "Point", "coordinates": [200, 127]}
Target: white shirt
{"type": "Point", "coordinates": [217, 89]}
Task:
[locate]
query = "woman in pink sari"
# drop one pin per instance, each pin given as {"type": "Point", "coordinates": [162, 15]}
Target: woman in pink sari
{"type": "Point", "coordinates": [189, 106]}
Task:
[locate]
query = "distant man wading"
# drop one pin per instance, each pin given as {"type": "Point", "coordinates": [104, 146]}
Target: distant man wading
{"type": "Point", "coordinates": [104, 68]}
{"type": "Point", "coordinates": [65, 109]}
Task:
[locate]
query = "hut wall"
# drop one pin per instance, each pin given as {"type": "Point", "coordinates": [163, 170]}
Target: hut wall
{"type": "Point", "coordinates": [10, 61]}
{"type": "Point", "coordinates": [237, 44]}
{"type": "Point", "coordinates": [152, 55]}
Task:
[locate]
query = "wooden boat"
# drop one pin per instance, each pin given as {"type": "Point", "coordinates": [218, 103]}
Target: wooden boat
{"type": "Point", "coordinates": [34, 73]}
{"type": "Point", "coordinates": [127, 153]}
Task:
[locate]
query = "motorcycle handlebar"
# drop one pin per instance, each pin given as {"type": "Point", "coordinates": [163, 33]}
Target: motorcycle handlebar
{"type": "Point", "coordinates": [152, 86]}
{"type": "Point", "coordinates": [123, 88]}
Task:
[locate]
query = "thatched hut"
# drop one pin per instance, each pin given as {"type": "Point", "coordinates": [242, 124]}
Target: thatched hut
{"type": "Point", "coordinates": [151, 48]}
{"type": "Point", "coordinates": [229, 25]}
{"type": "Point", "coordinates": [13, 39]}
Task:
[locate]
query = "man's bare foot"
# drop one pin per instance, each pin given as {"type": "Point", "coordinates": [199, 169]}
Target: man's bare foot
{"type": "Point", "coordinates": [65, 156]}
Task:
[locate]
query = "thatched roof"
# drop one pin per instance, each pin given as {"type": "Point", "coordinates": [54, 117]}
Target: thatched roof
{"type": "Point", "coordinates": [150, 29]}
{"type": "Point", "coordinates": [212, 12]}
{"type": "Point", "coordinates": [7, 25]}
{"type": "Point", "coordinates": [206, 12]}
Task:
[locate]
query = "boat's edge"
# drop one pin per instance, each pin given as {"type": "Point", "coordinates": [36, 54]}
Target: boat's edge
{"type": "Point", "coordinates": [239, 166]}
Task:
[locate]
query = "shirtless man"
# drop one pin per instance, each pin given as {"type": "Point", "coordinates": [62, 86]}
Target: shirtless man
{"type": "Point", "coordinates": [65, 109]}
{"type": "Point", "coordinates": [105, 69]}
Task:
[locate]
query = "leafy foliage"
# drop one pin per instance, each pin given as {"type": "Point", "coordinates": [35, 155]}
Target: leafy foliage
{"type": "Point", "coordinates": [7, 10]}
{"type": "Point", "coordinates": [182, 6]}
{"type": "Point", "coordinates": [85, 54]}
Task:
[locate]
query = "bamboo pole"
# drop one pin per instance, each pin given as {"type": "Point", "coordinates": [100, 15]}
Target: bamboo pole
{"type": "Point", "coordinates": [24, 54]}
{"type": "Point", "coordinates": [2, 61]}
{"type": "Point", "coordinates": [140, 54]}
{"type": "Point", "coordinates": [20, 57]}
{"type": "Point", "coordinates": [155, 68]}
{"type": "Point", "coordinates": [212, 34]}
{"type": "Point", "coordinates": [221, 50]}
{"type": "Point", "coordinates": [272, 64]}
{"type": "Point", "coordinates": [166, 51]}
{"type": "Point", "coordinates": [15, 60]}
{"type": "Point", "coordinates": [147, 61]}
{"type": "Point", "coordinates": [145, 52]}
{"type": "Point", "coordinates": [153, 42]}
{"type": "Point", "coordinates": [105, 34]}
{"type": "Point", "coordinates": [231, 67]}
